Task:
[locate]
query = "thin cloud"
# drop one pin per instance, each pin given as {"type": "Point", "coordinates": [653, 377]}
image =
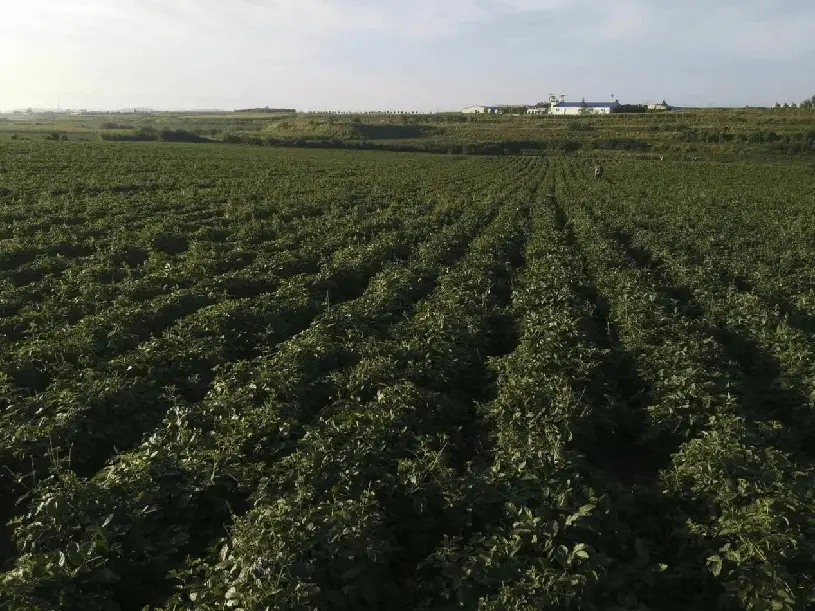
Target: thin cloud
{"type": "Point", "coordinates": [768, 37]}
{"type": "Point", "coordinates": [625, 20]}
{"type": "Point", "coordinates": [420, 18]}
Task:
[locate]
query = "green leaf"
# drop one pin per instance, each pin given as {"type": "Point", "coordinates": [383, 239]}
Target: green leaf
{"type": "Point", "coordinates": [783, 594]}
{"type": "Point", "coordinates": [586, 509]}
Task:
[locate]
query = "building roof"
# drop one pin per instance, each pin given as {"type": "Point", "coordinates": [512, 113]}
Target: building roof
{"type": "Point", "coordinates": [588, 104]}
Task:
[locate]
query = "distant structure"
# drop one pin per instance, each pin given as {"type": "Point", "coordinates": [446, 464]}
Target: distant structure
{"type": "Point", "coordinates": [481, 110]}
{"type": "Point", "coordinates": [266, 109]}
{"type": "Point", "coordinates": [580, 108]}
{"type": "Point", "coordinates": [557, 105]}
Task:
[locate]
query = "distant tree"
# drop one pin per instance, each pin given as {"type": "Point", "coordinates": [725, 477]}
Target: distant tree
{"type": "Point", "coordinates": [808, 104]}
{"type": "Point", "coordinates": [632, 108]}
{"type": "Point", "coordinates": [584, 108]}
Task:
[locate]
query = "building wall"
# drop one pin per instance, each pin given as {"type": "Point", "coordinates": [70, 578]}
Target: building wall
{"type": "Point", "coordinates": [565, 111]}
{"type": "Point", "coordinates": [478, 110]}
{"type": "Point", "coordinates": [571, 110]}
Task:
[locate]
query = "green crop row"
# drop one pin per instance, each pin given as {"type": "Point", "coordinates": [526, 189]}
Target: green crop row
{"type": "Point", "coordinates": [245, 378]}
{"type": "Point", "coordinates": [344, 519]}
{"type": "Point", "coordinates": [750, 490]}
{"type": "Point", "coordinates": [340, 328]}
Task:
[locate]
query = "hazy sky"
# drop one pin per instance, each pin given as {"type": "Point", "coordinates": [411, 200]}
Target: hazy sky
{"type": "Point", "coordinates": [402, 54]}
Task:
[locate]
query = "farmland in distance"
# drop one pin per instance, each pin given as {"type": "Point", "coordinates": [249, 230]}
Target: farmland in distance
{"type": "Point", "coordinates": [258, 378]}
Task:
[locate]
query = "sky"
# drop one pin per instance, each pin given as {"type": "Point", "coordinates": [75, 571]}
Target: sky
{"type": "Point", "coordinates": [426, 55]}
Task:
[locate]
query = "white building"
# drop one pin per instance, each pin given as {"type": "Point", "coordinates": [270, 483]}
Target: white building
{"type": "Point", "coordinates": [578, 108]}
{"type": "Point", "coordinates": [481, 110]}
{"type": "Point", "coordinates": [537, 110]}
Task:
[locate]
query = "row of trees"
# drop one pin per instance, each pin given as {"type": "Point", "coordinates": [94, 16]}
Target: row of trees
{"type": "Point", "coordinates": [807, 104]}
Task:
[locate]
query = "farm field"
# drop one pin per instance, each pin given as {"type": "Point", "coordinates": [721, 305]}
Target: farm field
{"type": "Point", "coordinates": [256, 378]}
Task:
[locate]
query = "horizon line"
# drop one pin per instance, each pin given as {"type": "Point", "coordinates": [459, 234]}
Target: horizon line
{"type": "Point", "coordinates": [149, 110]}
